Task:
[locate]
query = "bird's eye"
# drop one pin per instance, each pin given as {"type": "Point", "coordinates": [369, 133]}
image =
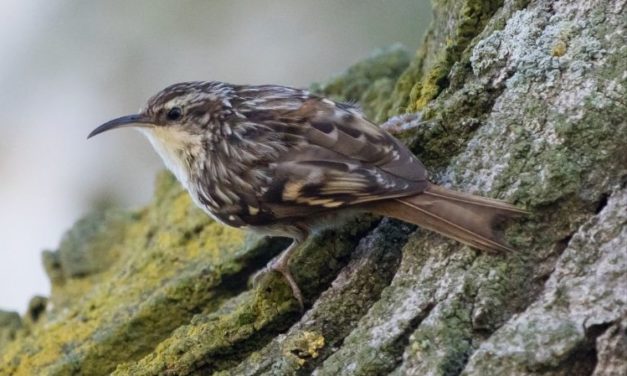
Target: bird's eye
{"type": "Point", "coordinates": [174, 114]}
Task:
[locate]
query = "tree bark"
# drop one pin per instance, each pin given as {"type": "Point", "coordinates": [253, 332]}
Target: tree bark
{"type": "Point", "coordinates": [522, 100]}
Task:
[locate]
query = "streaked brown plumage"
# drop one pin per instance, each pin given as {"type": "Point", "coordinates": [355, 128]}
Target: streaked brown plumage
{"type": "Point", "coordinates": [280, 160]}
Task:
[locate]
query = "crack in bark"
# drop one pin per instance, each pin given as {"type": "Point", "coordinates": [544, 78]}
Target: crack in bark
{"type": "Point", "coordinates": [400, 344]}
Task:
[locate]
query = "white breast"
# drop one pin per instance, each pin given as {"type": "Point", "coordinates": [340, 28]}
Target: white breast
{"type": "Point", "coordinates": [171, 146]}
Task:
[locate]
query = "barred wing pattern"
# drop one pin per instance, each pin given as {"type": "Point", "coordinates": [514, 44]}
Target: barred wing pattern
{"type": "Point", "coordinates": [333, 157]}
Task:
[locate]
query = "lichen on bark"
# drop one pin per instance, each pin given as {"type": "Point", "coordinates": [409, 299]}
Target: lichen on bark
{"type": "Point", "coordinates": [524, 101]}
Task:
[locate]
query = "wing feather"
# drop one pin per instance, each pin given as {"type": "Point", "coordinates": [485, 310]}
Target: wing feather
{"type": "Point", "coordinates": [335, 157]}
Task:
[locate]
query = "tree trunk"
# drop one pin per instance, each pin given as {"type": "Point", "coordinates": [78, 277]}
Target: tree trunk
{"type": "Point", "coordinates": [522, 100]}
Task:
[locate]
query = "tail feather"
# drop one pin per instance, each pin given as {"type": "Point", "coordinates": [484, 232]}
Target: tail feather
{"type": "Point", "coordinates": [460, 216]}
{"type": "Point", "coordinates": [438, 191]}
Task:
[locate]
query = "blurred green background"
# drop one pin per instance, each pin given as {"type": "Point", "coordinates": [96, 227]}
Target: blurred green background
{"type": "Point", "coordinates": [69, 65]}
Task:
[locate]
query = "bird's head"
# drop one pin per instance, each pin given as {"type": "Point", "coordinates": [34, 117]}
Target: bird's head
{"type": "Point", "coordinates": [185, 108]}
{"type": "Point", "coordinates": [178, 121]}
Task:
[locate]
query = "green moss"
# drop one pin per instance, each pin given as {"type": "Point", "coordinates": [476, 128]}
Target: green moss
{"type": "Point", "coordinates": [168, 257]}
{"type": "Point", "coordinates": [247, 321]}
{"type": "Point", "coordinates": [371, 269]}
{"type": "Point", "coordinates": [427, 75]}
{"type": "Point", "coordinates": [370, 82]}
{"type": "Point", "coordinates": [10, 323]}
{"type": "Point", "coordinates": [165, 290]}
{"type": "Point", "coordinates": [137, 286]}
{"type": "Point", "coordinates": [445, 342]}
{"type": "Point", "coordinates": [220, 339]}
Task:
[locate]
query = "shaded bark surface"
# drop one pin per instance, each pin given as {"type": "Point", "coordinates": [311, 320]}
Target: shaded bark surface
{"type": "Point", "coordinates": [524, 101]}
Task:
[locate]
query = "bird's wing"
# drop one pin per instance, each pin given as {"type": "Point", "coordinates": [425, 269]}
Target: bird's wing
{"type": "Point", "coordinates": [334, 156]}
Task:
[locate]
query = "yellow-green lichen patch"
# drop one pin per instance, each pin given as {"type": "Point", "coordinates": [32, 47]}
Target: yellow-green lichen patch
{"type": "Point", "coordinates": [559, 48]}
{"type": "Point", "coordinates": [10, 325]}
{"type": "Point", "coordinates": [169, 263]}
{"type": "Point", "coordinates": [170, 274]}
{"type": "Point", "coordinates": [215, 341]}
{"type": "Point", "coordinates": [219, 339]}
{"type": "Point", "coordinates": [169, 295]}
{"type": "Point", "coordinates": [303, 346]}
{"type": "Point", "coordinates": [358, 286]}
{"type": "Point", "coordinates": [457, 24]}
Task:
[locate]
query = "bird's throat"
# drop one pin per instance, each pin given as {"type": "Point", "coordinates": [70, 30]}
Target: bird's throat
{"type": "Point", "coordinates": [176, 148]}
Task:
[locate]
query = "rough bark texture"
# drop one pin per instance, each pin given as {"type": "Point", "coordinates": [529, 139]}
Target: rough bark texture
{"type": "Point", "coordinates": [526, 102]}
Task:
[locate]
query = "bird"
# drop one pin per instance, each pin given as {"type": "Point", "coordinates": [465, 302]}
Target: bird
{"type": "Point", "coordinates": [283, 161]}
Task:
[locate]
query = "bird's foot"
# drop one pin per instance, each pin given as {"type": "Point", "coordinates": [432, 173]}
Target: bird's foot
{"type": "Point", "coordinates": [280, 264]}
{"type": "Point", "coordinates": [285, 272]}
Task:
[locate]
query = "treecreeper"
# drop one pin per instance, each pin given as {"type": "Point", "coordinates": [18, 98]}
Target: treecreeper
{"type": "Point", "coordinates": [285, 162]}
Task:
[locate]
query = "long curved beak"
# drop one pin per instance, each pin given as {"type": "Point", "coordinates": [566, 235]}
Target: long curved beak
{"type": "Point", "coordinates": [136, 120]}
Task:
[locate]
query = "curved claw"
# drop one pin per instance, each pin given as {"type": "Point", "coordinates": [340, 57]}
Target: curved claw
{"type": "Point", "coordinates": [284, 270]}
{"type": "Point", "coordinates": [280, 264]}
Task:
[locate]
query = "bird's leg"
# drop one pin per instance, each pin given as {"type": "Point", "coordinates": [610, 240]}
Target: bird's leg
{"type": "Point", "coordinates": [280, 264]}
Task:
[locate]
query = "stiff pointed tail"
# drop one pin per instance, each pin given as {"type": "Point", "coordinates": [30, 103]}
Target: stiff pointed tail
{"type": "Point", "coordinates": [469, 219]}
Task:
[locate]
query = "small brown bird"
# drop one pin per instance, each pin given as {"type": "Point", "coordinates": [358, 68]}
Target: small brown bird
{"type": "Point", "coordinates": [283, 161]}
